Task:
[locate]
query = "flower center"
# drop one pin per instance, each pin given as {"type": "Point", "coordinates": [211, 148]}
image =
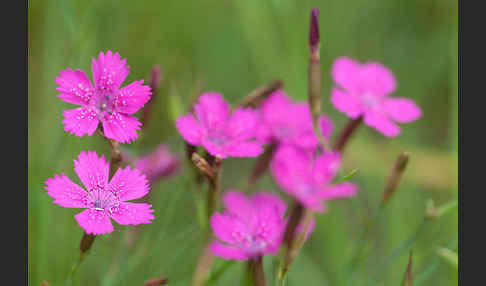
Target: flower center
{"type": "Point", "coordinates": [218, 137]}
{"type": "Point", "coordinates": [253, 243]}
{"type": "Point", "coordinates": [369, 100]}
{"type": "Point", "coordinates": [103, 200]}
{"type": "Point", "coordinates": [102, 103]}
{"type": "Point", "coordinates": [283, 131]}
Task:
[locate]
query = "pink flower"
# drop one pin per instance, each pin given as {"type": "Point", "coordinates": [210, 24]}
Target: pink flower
{"type": "Point", "coordinates": [105, 101]}
{"type": "Point", "coordinates": [363, 91]}
{"type": "Point", "coordinates": [250, 227]}
{"type": "Point", "coordinates": [290, 123]}
{"type": "Point", "coordinates": [219, 132]}
{"type": "Point", "coordinates": [102, 199]}
{"type": "Point", "coordinates": [158, 164]}
{"type": "Point", "coordinates": [308, 179]}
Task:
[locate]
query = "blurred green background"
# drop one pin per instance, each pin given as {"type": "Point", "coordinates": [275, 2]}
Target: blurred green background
{"type": "Point", "coordinates": [232, 47]}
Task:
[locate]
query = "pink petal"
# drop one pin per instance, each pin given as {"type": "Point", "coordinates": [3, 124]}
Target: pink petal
{"type": "Point", "coordinates": [74, 86]}
{"type": "Point", "coordinates": [326, 167]}
{"type": "Point", "coordinates": [190, 129]}
{"type": "Point", "coordinates": [223, 227]}
{"type": "Point", "coordinates": [66, 193]}
{"type": "Point", "coordinates": [377, 79]}
{"type": "Point", "coordinates": [227, 252]}
{"type": "Point", "coordinates": [345, 103]}
{"type": "Point", "coordinates": [267, 202]}
{"type": "Point", "coordinates": [109, 71]}
{"type": "Point", "coordinates": [129, 184]}
{"type": "Point", "coordinates": [340, 191]}
{"type": "Point", "coordinates": [212, 110]}
{"type": "Point", "coordinates": [346, 73]}
{"type": "Point", "coordinates": [275, 106]}
{"type": "Point", "coordinates": [132, 213]}
{"type": "Point", "coordinates": [357, 78]}
{"type": "Point", "coordinates": [237, 203]}
{"type": "Point", "coordinates": [263, 133]}
{"type": "Point", "coordinates": [94, 221]}
{"type": "Point", "coordinates": [381, 123]}
{"type": "Point", "coordinates": [242, 123]}
{"type": "Point", "coordinates": [306, 140]}
{"type": "Point", "coordinates": [214, 149]}
{"type": "Point", "coordinates": [314, 203]}
{"type": "Point", "coordinates": [120, 127]}
{"type": "Point", "coordinates": [301, 120]}
{"type": "Point", "coordinates": [92, 170]}
{"type": "Point", "coordinates": [80, 121]}
{"type": "Point", "coordinates": [327, 126]}
{"type": "Point", "coordinates": [245, 149]}
{"type": "Point", "coordinates": [129, 99]}
{"type": "Point", "coordinates": [289, 166]}
{"type": "Point", "coordinates": [402, 110]}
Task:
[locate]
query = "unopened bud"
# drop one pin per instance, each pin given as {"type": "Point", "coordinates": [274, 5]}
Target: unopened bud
{"type": "Point", "coordinates": [395, 176]}
{"type": "Point", "coordinates": [314, 33]}
{"type": "Point", "coordinates": [262, 164]}
{"type": "Point", "coordinates": [202, 165]}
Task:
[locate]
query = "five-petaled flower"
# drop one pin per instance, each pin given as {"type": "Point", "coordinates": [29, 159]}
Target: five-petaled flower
{"type": "Point", "coordinates": [105, 101]}
{"type": "Point", "coordinates": [308, 179]}
{"type": "Point", "coordinates": [220, 133]}
{"type": "Point", "coordinates": [102, 199]}
{"type": "Point", "coordinates": [250, 226]}
{"type": "Point", "coordinates": [290, 123]}
{"type": "Point", "coordinates": [363, 92]}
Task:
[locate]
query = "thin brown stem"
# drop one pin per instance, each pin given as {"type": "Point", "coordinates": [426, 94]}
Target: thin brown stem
{"type": "Point", "coordinates": [116, 156]}
{"type": "Point", "coordinates": [256, 97]}
{"type": "Point", "coordinates": [345, 135]}
{"type": "Point", "coordinates": [257, 274]}
{"type": "Point", "coordinates": [262, 163]}
{"type": "Point", "coordinates": [294, 220]}
{"type": "Point", "coordinates": [215, 187]}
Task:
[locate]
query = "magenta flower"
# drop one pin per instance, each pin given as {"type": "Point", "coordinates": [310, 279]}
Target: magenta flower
{"type": "Point", "coordinates": [250, 227]}
{"type": "Point", "coordinates": [158, 164]}
{"type": "Point", "coordinates": [363, 91]}
{"type": "Point", "coordinates": [102, 199]}
{"type": "Point", "coordinates": [308, 179]}
{"type": "Point", "coordinates": [219, 132]}
{"type": "Point", "coordinates": [105, 102]}
{"type": "Point", "coordinates": [291, 123]}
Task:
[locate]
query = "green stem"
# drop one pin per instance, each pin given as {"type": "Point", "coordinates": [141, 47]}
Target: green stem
{"type": "Point", "coordinates": [74, 268]}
